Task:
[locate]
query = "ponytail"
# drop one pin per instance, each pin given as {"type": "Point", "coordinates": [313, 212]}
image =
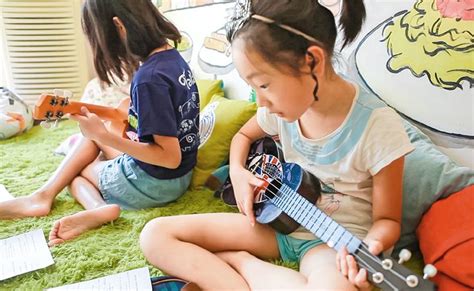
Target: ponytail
{"type": "Point", "coordinates": [352, 17]}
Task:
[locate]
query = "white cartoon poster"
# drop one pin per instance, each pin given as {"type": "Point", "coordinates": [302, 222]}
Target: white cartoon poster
{"type": "Point", "coordinates": [416, 55]}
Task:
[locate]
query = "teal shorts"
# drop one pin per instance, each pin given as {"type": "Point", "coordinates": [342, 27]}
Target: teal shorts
{"type": "Point", "coordinates": [293, 249]}
{"type": "Point", "coordinates": [124, 183]}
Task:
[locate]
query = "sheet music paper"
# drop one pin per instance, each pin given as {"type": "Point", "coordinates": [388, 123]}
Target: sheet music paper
{"type": "Point", "coordinates": [138, 279]}
{"type": "Point", "coordinates": [24, 253]}
{"type": "Point", "coordinates": [4, 194]}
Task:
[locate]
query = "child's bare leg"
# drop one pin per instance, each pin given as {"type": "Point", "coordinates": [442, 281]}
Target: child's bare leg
{"type": "Point", "coordinates": [85, 190]}
{"type": "Point", "coordinates": [184, 246]}
{"type": "Point", "coordinates": [262, 275]}
{"type": "Point", "coordinates": [86, 193]}
{"type": "Point", "coordinates": [39, 203]}
{"type": "Point", "coordinates": [317, 271]}
{"type": "Point", "coordinates": [319, 266]}
{"type": "Point", "coordinates": [85, 187]}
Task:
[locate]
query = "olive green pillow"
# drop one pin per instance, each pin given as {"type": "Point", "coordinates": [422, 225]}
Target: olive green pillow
{"type": "Point", "coordinates": [207, 89]}
{"type": "Point", "coordinates": [220, 120]}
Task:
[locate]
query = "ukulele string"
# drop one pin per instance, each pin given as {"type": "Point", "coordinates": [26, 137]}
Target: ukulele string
{"type": "Point", "coordinates": [375, 259]}
{"type": "Point", "coordinates": [290, 191]}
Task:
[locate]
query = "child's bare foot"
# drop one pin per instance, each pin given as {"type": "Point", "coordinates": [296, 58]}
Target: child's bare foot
{"type": "Point", "coordinates": [36, 204]}
{"type": "Point", "coordinates": [74, 225]}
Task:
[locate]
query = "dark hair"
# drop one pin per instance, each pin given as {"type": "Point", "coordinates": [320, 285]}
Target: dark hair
{"type": "Point", "coordinates": [147, 29]}
{"type": "Point", "coordinates": [282, 47]}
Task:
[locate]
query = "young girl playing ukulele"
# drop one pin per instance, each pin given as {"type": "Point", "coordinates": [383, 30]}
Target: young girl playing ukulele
{"type": "Point", "coordinates": [153, 166]}
{"type": "Point", "coordinates": [328, 125]}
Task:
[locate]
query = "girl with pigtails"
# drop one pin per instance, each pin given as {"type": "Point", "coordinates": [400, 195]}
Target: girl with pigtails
{"type": "Point", "coordinates": [329, 125]}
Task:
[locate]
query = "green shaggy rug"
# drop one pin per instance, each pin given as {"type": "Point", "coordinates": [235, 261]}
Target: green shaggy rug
{"type": "Point", "coordinates": [26, 162]}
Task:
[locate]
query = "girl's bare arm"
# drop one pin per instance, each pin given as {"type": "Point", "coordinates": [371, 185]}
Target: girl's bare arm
{"type": "Point", "coordinates": [241, 142]}
{"type": "Point", "coordinates": [387, 204]}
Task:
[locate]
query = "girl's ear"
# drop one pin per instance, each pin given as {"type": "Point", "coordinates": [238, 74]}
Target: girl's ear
{"type": "Point", "coordinates": [120, 27]}
{"type": "Point", "coordinates": [317, 56]}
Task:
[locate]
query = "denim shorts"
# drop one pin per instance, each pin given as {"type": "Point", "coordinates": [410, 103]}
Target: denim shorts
{"type": "Point", "coordinates": [293, 249]}
{"type": "Point", "coordinates": [124, 183]}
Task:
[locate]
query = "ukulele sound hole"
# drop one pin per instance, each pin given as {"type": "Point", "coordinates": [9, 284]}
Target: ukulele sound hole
{"type": "Point", "coordinates": [272, 171]}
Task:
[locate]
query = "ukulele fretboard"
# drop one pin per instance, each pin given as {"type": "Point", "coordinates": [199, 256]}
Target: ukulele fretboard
{"type": "Point", "coordinates": [316, 221]}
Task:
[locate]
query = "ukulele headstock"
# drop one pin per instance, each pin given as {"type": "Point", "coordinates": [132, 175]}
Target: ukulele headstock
{"type": "Point", "coordinates": [388, 274]}
{"type": "Point", "coordinates": [52, 107]}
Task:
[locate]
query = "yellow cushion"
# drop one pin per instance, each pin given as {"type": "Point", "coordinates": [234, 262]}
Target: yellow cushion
{"type": "Point", "coordinates": [220, 120]}
{"type": "Point", "coordinates": [207, 89]}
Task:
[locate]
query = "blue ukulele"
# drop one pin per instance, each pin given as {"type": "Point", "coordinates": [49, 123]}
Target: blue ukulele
{"type": "Point", "coordinates": [288, 200]}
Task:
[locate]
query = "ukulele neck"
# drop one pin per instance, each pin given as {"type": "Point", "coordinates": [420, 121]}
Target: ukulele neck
{"type": "Point", "coordinates": [315, 220]}
{"type": "Point", "coordinates": [106, 113]}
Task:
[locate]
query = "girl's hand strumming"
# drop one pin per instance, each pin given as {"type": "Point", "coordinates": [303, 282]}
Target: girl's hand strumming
{"type": "Point", "coordinates": [91, 125]}
{"type": "Point", "coordinates": [347, 265]}
{"type": "Point", "coordinates": [244, 183]}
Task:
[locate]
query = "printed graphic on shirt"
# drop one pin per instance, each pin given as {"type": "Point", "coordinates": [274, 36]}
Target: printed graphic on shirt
{"type": "Point", "coordinates": [339, 145]}
{"type": "Point", "coordinates": [188, 142]}
{"type": "Point", "coordinates": [330, 200]}
{"type": "Point", "coordinates": [185, 126]}
{"type": "Point", "coordinates": [189, 105]}
{"type": "Point", "coordinates": [188, 80]}
{"type": "Point", "coordinates": [188, 139]}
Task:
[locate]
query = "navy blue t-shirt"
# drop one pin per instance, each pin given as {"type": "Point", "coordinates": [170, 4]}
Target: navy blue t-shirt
{"type": "Point", "coordinates": [165, 101]}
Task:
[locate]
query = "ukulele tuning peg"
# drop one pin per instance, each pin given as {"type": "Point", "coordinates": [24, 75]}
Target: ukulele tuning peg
{"type": "Point", "coordinates": [429, 271]}
{"type": "Point", "coordinates": [377, 278]}
{"type": "Point", "coordinates": [67, 94]}
{"type": "Point", "coordinates": [45, 124]}
{"type": "Point", "coordinates": [55, 124]}
{"type": "Point", "coordinates": [387, 264]}
{"type": "Point", "coordinates": [404, 256]}
{"type": "Point", "coordinates": [412, 281]}
{"type": "Point", "coordinates": [58, 92]}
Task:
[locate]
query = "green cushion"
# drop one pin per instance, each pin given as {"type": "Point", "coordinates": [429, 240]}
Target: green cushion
{"type": "Point", "coordinates": [429, 175]}
{"type": "Point", "coordinates": [219, 122]}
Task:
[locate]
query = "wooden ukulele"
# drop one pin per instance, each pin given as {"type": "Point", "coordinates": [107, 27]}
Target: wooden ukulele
{"type": "Point", "coordinates": [53, 107]}
{"type": "Point", "coordinates": [288, 200]}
